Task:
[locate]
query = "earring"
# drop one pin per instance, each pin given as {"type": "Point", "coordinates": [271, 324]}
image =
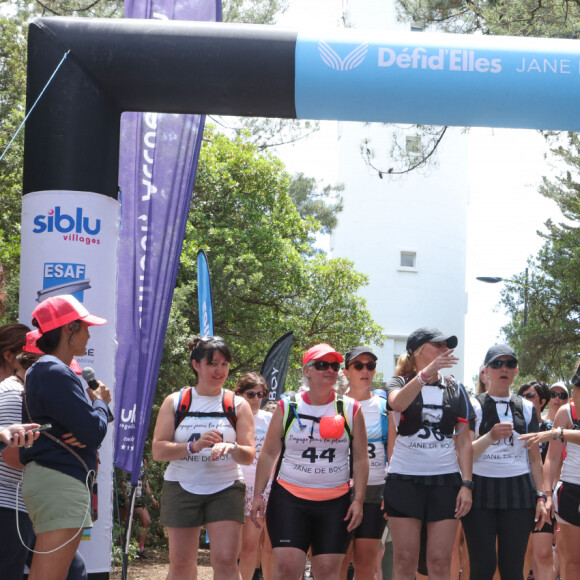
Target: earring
{"type": "Point", "coordinates": [71, 341]}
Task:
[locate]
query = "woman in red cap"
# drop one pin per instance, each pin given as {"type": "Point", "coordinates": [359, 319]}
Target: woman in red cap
{"type": "Point", "coordinates": [429, 476]}
{"type": "Point", "coordinates": [57, 478]}
{"type": "Point", "coordinates": [315, 435]}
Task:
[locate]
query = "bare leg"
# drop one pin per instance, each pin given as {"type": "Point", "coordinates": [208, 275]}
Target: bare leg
{"type": "Point", "coordinates": [289, 563]}
{"type": "Point", "coordinates": [365, 557]}
{"type": "Point", "coordinates": [569, 541]}
{"type": "Point", "coordinates": [406, 534]}
{"type": "Point", "coordinates": [440, 538]}
{"type": "Point", "coordinates": [183, 546]}
{"type": "Point", "coordinates": [224, 539]}
{"type": "Point", "coordinates": [54, 566]}
{"type": "Point", "coordinates": [543, 558]}
{"type": "Point", "coordinates": [327, 566]}
{"type": "Point", "coordinates": [249, 550]}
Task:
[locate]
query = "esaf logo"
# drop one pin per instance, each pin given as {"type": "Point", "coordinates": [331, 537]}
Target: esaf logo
{"type": "Point", "coordinates": [74, 226]}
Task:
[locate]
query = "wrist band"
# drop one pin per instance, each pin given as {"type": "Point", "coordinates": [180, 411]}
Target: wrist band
{"type": "Point", "coordinates": [562, 434]}
{"type": "Point", "coordinates": [421, 378]}
{"type": "Point", "coordinates": [541, 499]}
{"type": "Point", "coordinates": [258, 496]}
{"type": "Point", "coordinates": [190, 449]}
{"type": "Point", "coordinates": [554, 435]}
{"type": "Point", "coordinates": [357, 499]}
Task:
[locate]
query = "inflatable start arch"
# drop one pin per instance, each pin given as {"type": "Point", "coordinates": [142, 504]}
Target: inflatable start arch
{"type": "Point", "coordinates": [72, 139]}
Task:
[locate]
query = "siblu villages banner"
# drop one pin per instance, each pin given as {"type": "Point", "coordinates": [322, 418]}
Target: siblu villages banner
{"type": "Point", "coordinates": [158, 161]}
{"type": "Point", "coordinates": [204, 300]}
{"type": "Point", "coordinates": [433, 78]}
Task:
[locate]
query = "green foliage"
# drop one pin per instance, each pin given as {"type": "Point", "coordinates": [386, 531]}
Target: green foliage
{"type": "Point", "coordinates": [266, 278]}
{"type": "Point", "coordinates": [310, 201]}
{"type": "Point", "coordinates": [12, 107]}
{"type": "Point", "coordinates": [549, 344]}
{"type": "Point", "coordinates": [253, 11]}
{"type": "Point", "coordinates": [548, 18]}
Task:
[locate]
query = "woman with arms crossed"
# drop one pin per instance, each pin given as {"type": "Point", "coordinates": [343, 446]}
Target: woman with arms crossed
{"type": "Point", "coordinates": [506, 506]}
{"type": "Point", "coordinates": [311, 505]}
{"type": "Point", "coordinates": [429, 476]}
{"type": "Point", "coordinates": [205, 441]}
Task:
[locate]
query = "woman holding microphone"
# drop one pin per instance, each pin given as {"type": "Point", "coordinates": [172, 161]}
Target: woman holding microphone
{"type": "Point", "coordinates": [57, 478]}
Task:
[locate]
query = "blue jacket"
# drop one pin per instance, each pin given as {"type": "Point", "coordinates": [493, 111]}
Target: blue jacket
{"type": "Point", "coordinates": [55, 395]}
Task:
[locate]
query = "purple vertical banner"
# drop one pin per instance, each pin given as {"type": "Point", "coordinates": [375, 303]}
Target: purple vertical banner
{"type": "Point", "coordinates": [158, 161]}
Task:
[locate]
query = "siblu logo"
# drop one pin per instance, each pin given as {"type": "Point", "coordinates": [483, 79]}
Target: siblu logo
{"type": "Point", "coordinates": [353, 59]}
{"type": "Point", "coordinates": [129, 416]}
{"type": "Point", "coordinates": [64, 223]}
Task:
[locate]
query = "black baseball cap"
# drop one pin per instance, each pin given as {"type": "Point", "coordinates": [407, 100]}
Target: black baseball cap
{"type": "Point", "coordinates": [498, 350]}
{"type": "Point", "coordinates": [422, 335]}
{"type": "Point", "coordinates": [357, 351]}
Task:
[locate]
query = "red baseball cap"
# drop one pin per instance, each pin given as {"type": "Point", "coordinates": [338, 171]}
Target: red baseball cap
{"type": "Point", "coordinates": [319, 351]}
{"type": "Point", "coordinates": [31, 338]}
{"type": "Point", "coordinates": [57, 311]}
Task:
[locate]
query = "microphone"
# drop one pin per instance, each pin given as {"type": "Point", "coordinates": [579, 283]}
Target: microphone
{"type": "Point", "coordinates": [89, 376]}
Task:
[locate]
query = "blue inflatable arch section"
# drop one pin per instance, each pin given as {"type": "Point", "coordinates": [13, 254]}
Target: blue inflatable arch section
{"type": "Point", "coordinates": [72, 137]}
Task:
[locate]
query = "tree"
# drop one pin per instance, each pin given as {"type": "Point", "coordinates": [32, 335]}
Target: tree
{"type": "Point", "coordinates": [549, 344]}
{"type": "Point", "coordinates": [266, 278]}
{"type": "Point", "coordinates": [549, 18]}
{"type": "Point", "coordinates": [12, 90]}
{"type": "Point", "coordinates": [310, 201]}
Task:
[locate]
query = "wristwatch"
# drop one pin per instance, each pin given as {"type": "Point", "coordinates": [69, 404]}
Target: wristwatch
{"type": "Point", "coordinates": [541, 496]}
{"type": "Point", "coordinates": [468, 484]}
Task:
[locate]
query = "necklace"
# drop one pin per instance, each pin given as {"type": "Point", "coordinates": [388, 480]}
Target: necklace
{"type": "Point", "coordinates": [20, 379]}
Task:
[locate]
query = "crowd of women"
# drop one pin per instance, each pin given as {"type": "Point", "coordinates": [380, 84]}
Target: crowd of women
{"type": "Point", "coordinates": [319, 477]}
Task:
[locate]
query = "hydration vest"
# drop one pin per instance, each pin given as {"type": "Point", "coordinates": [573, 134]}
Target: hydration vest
{"type": "Point", "coordinates": [490, 417]}
{"type": "Point", "coordinates": [384, 418]}
{"type": "Point", "coordinates": [412, 417]}
{"type": "Point", "coordinates": [184, 402]}
{"type": "Point", "coordinates": [293, 415]}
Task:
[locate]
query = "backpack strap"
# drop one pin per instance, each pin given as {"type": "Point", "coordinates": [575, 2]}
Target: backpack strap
{"type": "Point", "coordinates": [574, 415]}
{"type": "Point", "coordinates": [339, 405]}
{"type": "Point", "coordinates": [183, 404]}
{"type": "Point", "coordinates": [290, 415]}
{"type": "Point", "coordinates": [229, 407]}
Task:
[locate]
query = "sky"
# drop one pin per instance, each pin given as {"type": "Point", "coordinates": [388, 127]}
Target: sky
{"type": "Point", "coordinates": [505, 210]}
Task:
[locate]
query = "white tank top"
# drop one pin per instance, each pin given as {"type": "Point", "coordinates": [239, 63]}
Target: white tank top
{"type": "Point", "coordinates": [506, 457]}
{"type": "Point", "coordinates": [199, 469]}
{"type": "Point", "coordinates": [372, 411]}
{"type": "Point", "coordinates": [426, 452]}
{"type": "Point", "coordinates": [309, 460]}
{"type": "Point", "coordinates": [571, 466]}
{"type": "Point", "coordinates": [261, 422]}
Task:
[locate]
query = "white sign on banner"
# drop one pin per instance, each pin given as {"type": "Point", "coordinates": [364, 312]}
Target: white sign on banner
{"type": "Point", "coordinates": [69, 246]}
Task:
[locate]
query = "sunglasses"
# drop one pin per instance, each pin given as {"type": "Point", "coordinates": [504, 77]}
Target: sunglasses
{"type": "Point", "coordinates": [252, 394]}
{"type": "Point", "coordinates": [554, 395]}
{"type": "Point", "coordinates": [529, 396]}
{"type": "Point", "coordinates": [359, 366]}
{"type": "Point", "coordinates": [323, 365]}
{"type": "Point", "coordinates": [510, 364]}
